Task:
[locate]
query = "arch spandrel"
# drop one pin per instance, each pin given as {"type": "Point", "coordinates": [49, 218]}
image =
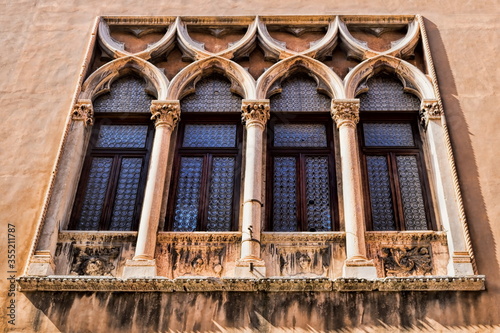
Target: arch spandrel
{"type": "Point", "coordinates": [100, 81]}
{"type": "Point", "coordinates": [412, 78]}
{"type": "Point", "coordinates": [242, 83]}
{"type": "Point", "coordinates": [328, 80]}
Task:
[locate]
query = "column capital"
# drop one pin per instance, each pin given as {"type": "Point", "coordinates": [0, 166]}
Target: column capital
{"type": "Point", "coordinates": [345, 111]}
{"type": "Point", "coordinates": [165, 113]}
{"type": "Point", "coordinates": [255, 111]}
{"type": "Point", "coordinates": [429, 110]}
{"type": "Point", "coordinates": [83, 111]}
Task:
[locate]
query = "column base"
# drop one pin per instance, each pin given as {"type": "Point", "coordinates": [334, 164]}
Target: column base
{"type": "Point", "coordinates": [139, 268]}
{"type": "Point", "coordinates": [460, 265]}
{"type": "Point", "coordinates": [359, 268]}
{"type": "Point", "coordinates": [41, 265]}
{"type": "Point", "coordinates": [250, 268]}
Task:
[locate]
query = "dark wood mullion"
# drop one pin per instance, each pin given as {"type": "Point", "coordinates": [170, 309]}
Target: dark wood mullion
{"type": "Point", "coordinates": [367, 202]}
{"type": "Point", "coordinates": [109, 199]}
{"type": "Point", "coordinates": [206, 179]}
{"type": "Point", "coordinates": [396, 190]}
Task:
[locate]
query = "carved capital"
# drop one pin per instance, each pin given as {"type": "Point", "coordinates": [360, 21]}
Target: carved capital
{"type": "Point", "coordinates": [83, 111]}
{"type": "Point", "coordinates": [345, 111]}
{"type": "Point", "coordinates": [165, 113]}
{"type": "Point", "coordinates": [255, 111]}
{"type": "Point", "coordinates": [429, 110]}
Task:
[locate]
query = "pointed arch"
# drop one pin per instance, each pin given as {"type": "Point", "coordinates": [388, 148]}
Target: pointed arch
{"type": "Point", "coordinates": [413, 79]}
{"type": "Point", "coordinates": [100, 81]}
{"type": "Point", "coordinates": [242, 83]}
{"type": "Point", "coordinates": [328, 81]}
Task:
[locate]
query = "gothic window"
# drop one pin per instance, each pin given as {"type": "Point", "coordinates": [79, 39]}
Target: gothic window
{"type": "Point", "coordinates": [301, 178]}
{"type": "Point", "coordinates": [112, 182]}
{"type": "Point", "coordinates": [394, 170]}
{"type": "Point", "coordinates": [204, 193]}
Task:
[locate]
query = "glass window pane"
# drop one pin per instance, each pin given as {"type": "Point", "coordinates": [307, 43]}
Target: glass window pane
{"type": "Point", "coordinates": [284, 194]}
{"type": "Point", "coordinates": [386, 93]}
{"type": "Point", "coordinates": [188, 194]}
{"type": "Point", "coordinates": [127, 94]}
{"type": "Point", "coordinates": [318, 194]}
{"type": "Point", "coordinates": [122, 136]}
{"type": "Point", "coordinates": [380, 193]}
{"type": "Point", "coordinates": [388, 134]}
{"type": "Point", "coordinates": [126, 194]}
{"type": "Point", "coordinates": [300, 135]}
{"type": "Point", "coordinates": [411, 192]}
{"type": "Point", "coordinates": [95, 193]}
{"type": "Point", "coordinates": [211, 135]}
{"type": "Point", "coordinates": [220, 201]}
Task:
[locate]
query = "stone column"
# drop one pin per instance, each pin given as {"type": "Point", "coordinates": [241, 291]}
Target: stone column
{"type": "Point", "coordinates": [255, 114]}
{"type": "Point", "coordinates": [346, 115]}
{"type": "Point", "coordinates": [64, 188]}
{"type": "Point", "coordinates": [445, 182]}
{"type": "Point", "coordinates": [166, 114]}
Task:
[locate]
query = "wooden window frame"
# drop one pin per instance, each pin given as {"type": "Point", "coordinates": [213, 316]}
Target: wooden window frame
{"type": "Point", "coordinates": [390, 153]}
{"type": "Point", "coordinates": [207, 154]}
{"type": "Point", "coordinates": [117, 154]}
{"type": "Point", "coordinates": [301, 153]}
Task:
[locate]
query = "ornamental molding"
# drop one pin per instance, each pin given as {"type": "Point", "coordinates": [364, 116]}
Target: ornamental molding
{"type": "Point", "coordinates": [405, 237]}
{"type": "Point", "coordinates": [208, 238]}
{"type": "Point", "coordinates": [345, 111]}
{"type": "Point", "coordinates": [83, 111]}
{"type": "Point", "coordinates": [255, 112]}
{"type": "Point", "coordinates": [83, 237]}
{"type": "Point", "coordinates": [305, 238]}
{"type": "Point", "coordinates": [429, 110]}
{"type": "Point", "coordinates": [86, 283]}
{"type": "Point", "coordinates": [165, 113]}
{"type": "Point", "coordinates": [406, 261]}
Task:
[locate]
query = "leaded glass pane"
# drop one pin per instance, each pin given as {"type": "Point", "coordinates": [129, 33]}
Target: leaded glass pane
{"type": "Point", "coordinates": [299, 93]}
{"type": "Point", "coordinates": [127, 94]}
{"type": "Point", "coordinates": [300, 135]}
{"type": "Point", "coordinates": [388, 134]}
{"type": "Point", "coordinates": [211, 135]}
{"type": "Point", "coordinates": [318, 194]}
{"type": "Point", "coordinates": [188, 194]}
{"type": "Point", "coordinates": [95, 193]}
{"type": "Point", "coordinates": [122, 136]}
{"type": "Point", "coordinates": [411, 192]}
{"type": "Point", "coordinates": [220, 199]}
{"type": "Point", "coordinates": [380, 193]}
{"type": "Point", "coordinates": [386, 93]}
{"type": "Point", "coordinates": [126, 194]}
{"type": "Point", "coordinates": [284, 194]}
{"type": "Point", "coordinates": [213, 94]}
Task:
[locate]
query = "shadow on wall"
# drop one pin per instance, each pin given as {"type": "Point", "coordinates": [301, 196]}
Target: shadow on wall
{"type": "Point", "coordinates": [485, 249]}
{"type": "Point", "coordinates": [257, 312]}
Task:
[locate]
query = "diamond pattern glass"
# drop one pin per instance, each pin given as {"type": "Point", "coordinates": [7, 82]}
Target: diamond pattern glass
{"type": "Point", "coordinates": [388, 134]}
{"type": "Point", "coordinates": [411, 192]}
{"type": "Point", "coordinates": [122, 136]}
{"type": "Point", "coordinates": [126, 194]}
{"type": "Point", "coordinates": [211, 135]}
{"type": "Point", "coordinates": [284, 194]}
{"type": "Point", "coordinates": [220, 199]}
{"type": "Point", "coordinates": [386, 93]}
{"type": "Point", "coordinates": [380, 193]}
{"type": "Point", "coordinates": [299, 93]}
{"type": "Point", "coordinates": [318, 194]}
{"type": "Point", "coordinates": [213, 94]}
{"type": "Point", "coordinates": [95, 193]}
{"type": "Point", "coordinates": [300, 135]}
{"type": "Point", "coordinates": [127, 94]}
{"type": "Point", "coordinates": [188, 194]}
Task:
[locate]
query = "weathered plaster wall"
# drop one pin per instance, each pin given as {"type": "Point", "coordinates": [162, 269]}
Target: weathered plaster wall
{"type": "Point", "coordinates": [44, 43]}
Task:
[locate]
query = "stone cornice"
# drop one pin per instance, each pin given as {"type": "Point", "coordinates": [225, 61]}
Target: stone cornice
{"type": "Point", "coordinates": [255, 112]}
{"type": "Point", "coordinates": [345, 111]}
{"type": "Point", "coordinates": [165, 113]}
{"type": "Point", "coordinates": [83, 111]}
{"type": "Point", "coordinates": [78, 283]}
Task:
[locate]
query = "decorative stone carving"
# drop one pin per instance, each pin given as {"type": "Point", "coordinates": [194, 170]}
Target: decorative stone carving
{"type": "Point", "coordinates": [83, 111]}
{"type": "Point", "coordinates": [389, 237]}
{"type": "Point", "coordinates": [165, 113]}
{"type": "Point", "coordinates": [304, 261]}
{"type": "Point", "coordinates": [429, 110]}
{"type": "Point", "coordinates": [345, 111]}
{"type": "Point", "coordinates": [255, 112]}
{"type": "Point", "coordinates": [94, 261]}
{"type": "Point", "coordinates": [407, 261]}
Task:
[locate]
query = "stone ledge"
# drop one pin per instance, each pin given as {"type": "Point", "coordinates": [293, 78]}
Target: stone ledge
{"type": "Point", "coordinates": [200, 284]}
